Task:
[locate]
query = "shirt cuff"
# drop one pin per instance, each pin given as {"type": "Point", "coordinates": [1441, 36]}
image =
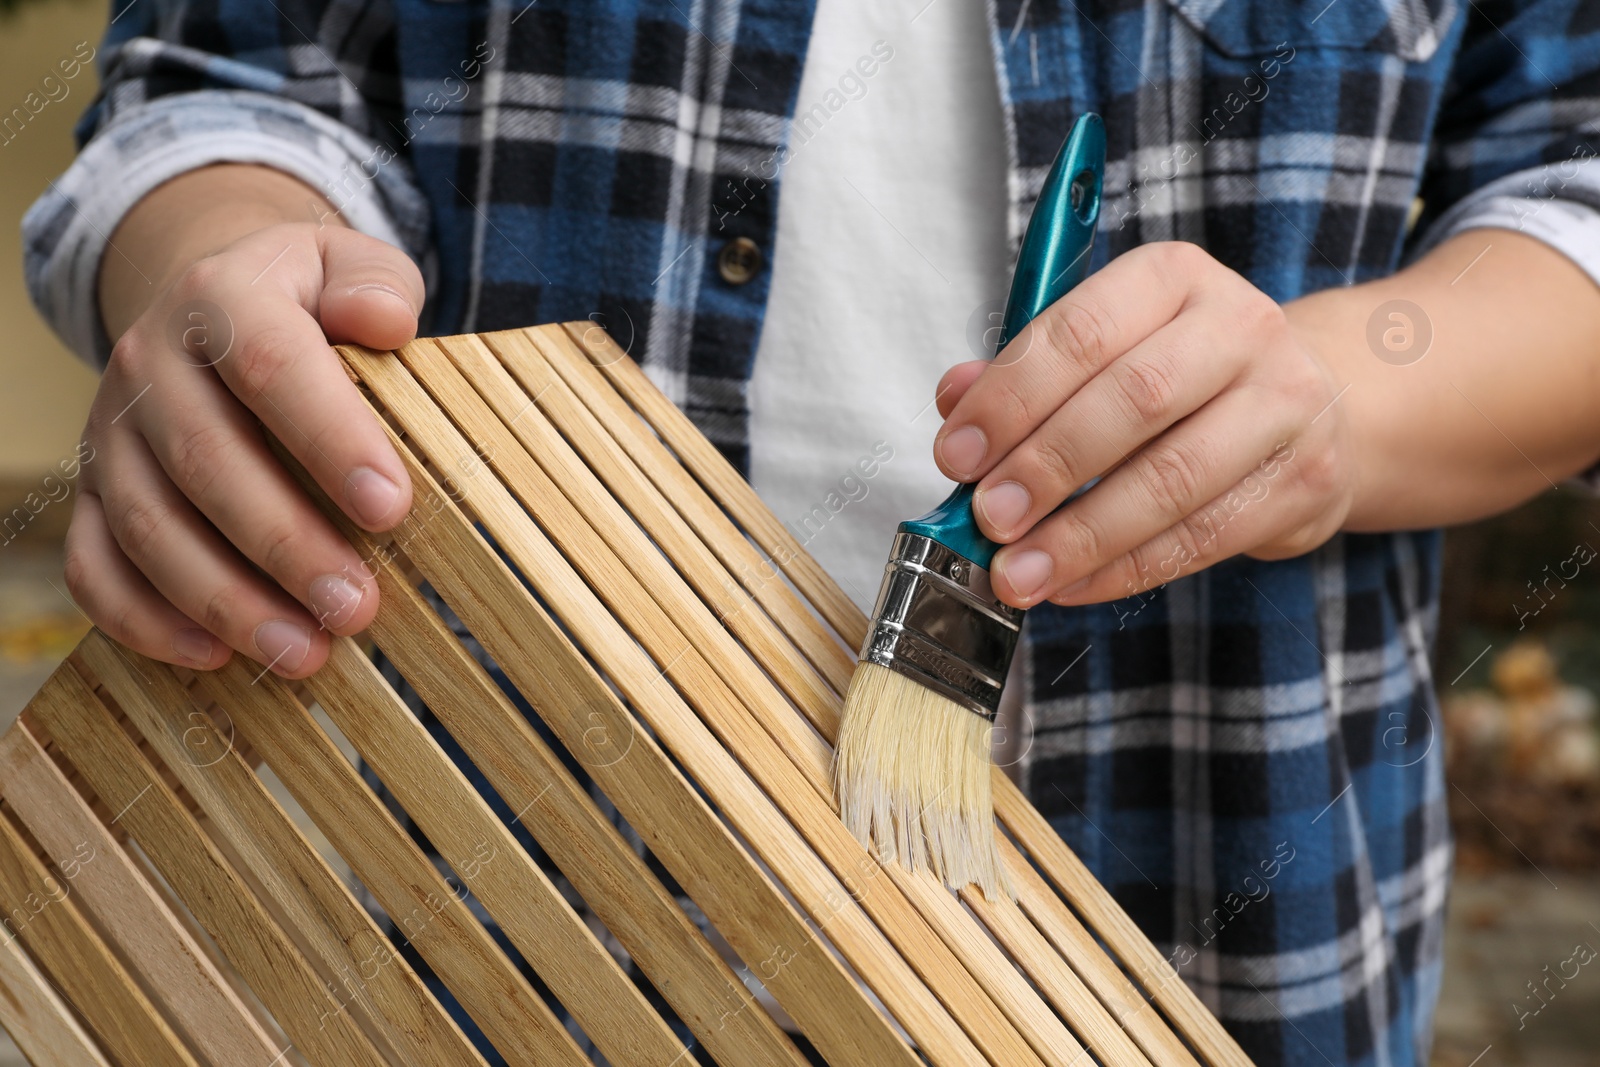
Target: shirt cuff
{"type": "Point", "coordinates": [1558, 204]}
{"type": "Point", "coordinates": [66, 231]}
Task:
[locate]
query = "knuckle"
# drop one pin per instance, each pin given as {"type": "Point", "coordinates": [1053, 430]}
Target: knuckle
{"type": "Point", "coordinates": [199, 456]}
{"type": "Point", "coordinates": [77, 570]}
{"type": "Point", "coordinates": [125, 355]}
{"type": "Point", "coordinates": [1180, 258]}
{"type": "Point", "coordinates": [1193, 540]}
{"type": "Point", "coordinates": [1076, 539]}
{"type": "Point", "coordinates": [1122, 576]}
{"type": "Point", "coordinates": [1146, 390]}
{"type": "Point", "coordinates": [1261, 315]}
{"type": "Point", "coordinates": [201, 278]}
{"type": "Point", "coordinates": [262, 359]}
{"type": "Point", "coordinates": [1053, 462]}
{"type": "Point", "coordinates": [1142, 571]}
{"type": "Point", "coordinates": [279, 548]}
{"type": "Point", "coordinates": [122, 625]}
{"type": "Point", "coordinates": [1317, 470]}
{"type": "Point", "coordinates": [1300, 542]}
{"type": "Point", "coordinates": [1173, 476]}
{"type": "Point", "coordinates": [1080, 331]}
{"type": "Point", "coordinates": [138, 525]}
{"type": "Point", "coordinates": [221, 609]}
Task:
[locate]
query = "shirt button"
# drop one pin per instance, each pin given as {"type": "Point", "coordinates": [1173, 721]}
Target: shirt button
{"type": "Point", "coordinates": [739, 261]}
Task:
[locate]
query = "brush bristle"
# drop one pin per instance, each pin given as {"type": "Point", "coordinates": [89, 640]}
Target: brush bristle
{"type": "Point", "coordinates": [912, 773]}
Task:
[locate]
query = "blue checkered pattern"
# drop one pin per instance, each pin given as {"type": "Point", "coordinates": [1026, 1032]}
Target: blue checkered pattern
{"type": "Point", "coordinates": [1248, 758]}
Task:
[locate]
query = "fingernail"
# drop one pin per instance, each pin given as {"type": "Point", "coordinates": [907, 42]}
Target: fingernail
{"type": "Point", "coordinates": [282, 644]}
{"type": "Point", "coordinates": [963, 450]}
{"type": "Point", "coordinates": [1027, 571]}
{"type": "Point", "coordinates": [379, 287]}
{"type": "Point", "coordinates": [196, 646]}
{"type": "Point", "coordinates": [371, 494]}
{"type": "Point", "coordinates": [334, 598]}
{"type": "Point", "coordinates": [1004, 505]}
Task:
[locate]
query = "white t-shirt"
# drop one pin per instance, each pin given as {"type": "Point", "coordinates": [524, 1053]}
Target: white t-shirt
{"type": "Point", "coordinates": [891, 250]}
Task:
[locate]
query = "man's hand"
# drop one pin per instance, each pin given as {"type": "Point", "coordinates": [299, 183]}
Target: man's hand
{"type": "Point", "coordinates": [189, 538]}
{"type": "Point", "coordinates": [1211, 420]}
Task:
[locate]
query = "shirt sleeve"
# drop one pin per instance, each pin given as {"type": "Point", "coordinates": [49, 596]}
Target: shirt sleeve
{"type": "Point", "coordinates": [1568, 221]}
{"type": "Point", "coordinates": [1518, 134]}
{"type": "Point", "coordinates": [175, 97]}
{"type": "Point", "coordinates": [1517, 130]}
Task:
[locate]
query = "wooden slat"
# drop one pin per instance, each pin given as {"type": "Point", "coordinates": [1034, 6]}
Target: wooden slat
{"type": "Point", "coordinates": [685, 664]}
{"type": "Point", "coordinates": [531, 355]}
{"type": "Point", "coordinates": [517, 894]}
{"type": "Point", "coordinates": [392, 1002]}
{"type": "Point", "coordinates": [966, 990]}
{"type": "Point", "coordinates": [689, 839]}
{"type": "Point", "coordinates": [203, 878]}
{"type": "Point", "coordinates": [1154, 972]}
{"type": "Point", "coordinates": [686, 651]}
{"type": "Point", "coordinates": [40, 1022]}
{"type": "Point", "coordinates": [1064, 869]}
{"type": "Point", "coordinates": [41, 911]}
{"type": "Point", "coordinates": [1066, 990]}
{"type": "Point", "coordinates": [1073, 941]}
{"type": "Point", "coordinates": [701, 458]}
{"type": "Point", "coordinates": [614, 881]}
{"type": "Point", "coordinates": [525, 374]}
{"type": "Point", "coordinates": [1042, 965]}
{"type": "Point", "coordinates": [583, 520]}
{"type": "Point", "coordinates": [175, 971]}
{"type": "Point", "coordinates": [425, 908]}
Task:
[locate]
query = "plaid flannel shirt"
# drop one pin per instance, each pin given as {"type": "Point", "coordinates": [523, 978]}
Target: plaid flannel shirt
{"type": "Point", "coordinates": [1247, 757]}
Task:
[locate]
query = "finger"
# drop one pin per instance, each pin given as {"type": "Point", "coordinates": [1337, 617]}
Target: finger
{"type": "Point", "coordinates": [283, 369]}
{"type": "Point", "coordinates": [1069, 343]}
{"type": "Point", "coordinates": [1172, 477]}
{"type": "Point", "coordinates": [213, 451]}
{"type": "Point", "coordinates": [123, 603]}
{"type": "Point", "coordinates": [198, 572]}
{"type": "Point", "coordinates": [371, 292]}
{"type": "Point", "coordinates": [955, 383]}
{"type": "Point", "coordinates": [1164, 378]}
{"type": "Point", "coordinates": [1232, 524]}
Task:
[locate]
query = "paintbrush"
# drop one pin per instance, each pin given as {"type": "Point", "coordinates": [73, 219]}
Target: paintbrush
{"type": "Point", "coordinates": [912, 767]}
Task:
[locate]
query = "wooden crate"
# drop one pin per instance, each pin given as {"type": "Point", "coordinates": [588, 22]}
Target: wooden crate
{"type": "Point", "coordinates": [163, 907]}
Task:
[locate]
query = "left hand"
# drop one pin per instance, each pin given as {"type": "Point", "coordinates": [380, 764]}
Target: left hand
{"type": "Point", "coordinates": [1209, 414]}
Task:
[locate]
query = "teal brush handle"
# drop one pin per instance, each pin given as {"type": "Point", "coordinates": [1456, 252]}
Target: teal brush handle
{"type": "Point", "coordinates": [1054, 257]}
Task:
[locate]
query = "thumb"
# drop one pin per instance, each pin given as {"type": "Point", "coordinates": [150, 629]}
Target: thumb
{"type": "Point", "coordinates": [371, 291]}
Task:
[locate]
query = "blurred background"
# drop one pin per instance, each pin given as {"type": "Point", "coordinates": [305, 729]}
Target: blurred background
{"type": "Point", "coordinates": [1518, 664]}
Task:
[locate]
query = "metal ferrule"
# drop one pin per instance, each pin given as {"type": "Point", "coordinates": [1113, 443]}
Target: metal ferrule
{"type": "Point", "coordinates": [938, 623]}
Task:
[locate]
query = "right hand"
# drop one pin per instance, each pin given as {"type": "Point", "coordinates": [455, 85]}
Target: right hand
{"type": "Point", "coordinates": [189, 539]}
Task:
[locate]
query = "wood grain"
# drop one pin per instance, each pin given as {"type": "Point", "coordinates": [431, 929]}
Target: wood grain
{"type": "Point", "coordinates": [553, 806]}
{"type": "Point", "coordinates": [486, 857]}
{"type": "Point", "coordinates": [170, 964]}
{"type": "Point", "coordinates": [340, 936]}
{"type": "Point", "coordinates": [40, 1020]}
{"type": "Point", "coordinates": [1032, 833]}
{"type": "Point", "coordinates": [641, 590]}
{"type": "Point", "coordinates": [40, 912]}
{"type": "Point", "coordinates": [203, 878]}
{"type": "Point", "coordinates": [635, 772]}
{"type": "Point", "coordinates": [618, 576]}
{"type": "Point", "coordinates": [748, 704]}
{"type": "Point", "coordinates": [427, 911]}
